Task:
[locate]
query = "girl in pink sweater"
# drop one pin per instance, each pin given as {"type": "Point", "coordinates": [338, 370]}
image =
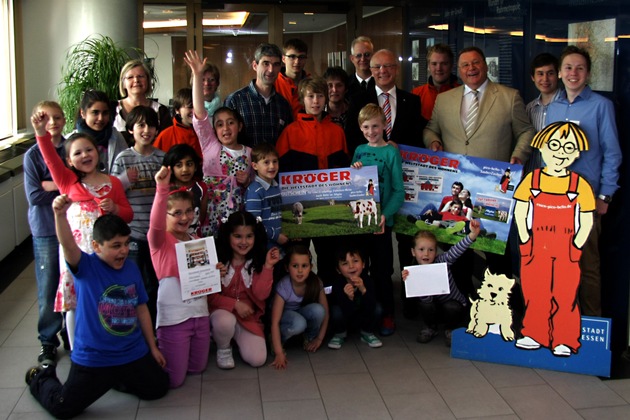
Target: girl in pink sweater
{"type": "Point", "coordinates": [227, 167]}
{"type": "Point", "coordinates": [183, 326]}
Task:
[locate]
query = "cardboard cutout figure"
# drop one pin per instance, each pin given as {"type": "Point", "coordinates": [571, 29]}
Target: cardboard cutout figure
{"type": "Point", "coordinates": [492, 309]}
{"type": "Point", "coordinates": [554, 215]}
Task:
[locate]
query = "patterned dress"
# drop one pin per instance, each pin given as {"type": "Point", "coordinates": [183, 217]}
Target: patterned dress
{"type": "Point", "coordinates": [225, 196]}
{"type": "Point", "coordinates": [81, 216]}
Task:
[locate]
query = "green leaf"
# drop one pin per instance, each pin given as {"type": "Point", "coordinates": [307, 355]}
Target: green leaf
{"type": "Point", "coordinates": [93, 63]}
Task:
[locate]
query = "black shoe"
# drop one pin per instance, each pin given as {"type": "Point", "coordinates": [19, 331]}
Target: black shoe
{"type": "Point", "coordinates": [48, 354]}
{"type": "Point", "coordinates": [64, 337]}
{"type": "Point", "coordinates": [31, 373]}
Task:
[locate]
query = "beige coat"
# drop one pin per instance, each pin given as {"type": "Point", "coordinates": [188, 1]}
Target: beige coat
{"type": "Point", "coordinates": [503, 129]}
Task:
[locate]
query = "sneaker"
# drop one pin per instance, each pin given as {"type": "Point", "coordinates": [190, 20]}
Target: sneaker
{"type": "Point", "coordinates": [425, 335]}
{"type": "Point", "coordinates": [47, 355]}
{"type": "Point", "coordinates": [388, 326]}
{"type": "Point", "coordinates": [31, 373]}
{"type": "Point", "coordinates": [225, 359]}
{"type": "Point", "coordinates": [527, 343]}
{"type": "Point", "coordinates": [562, 351]}
{"type": "Point", "coordinates": [371, 340]}
{"type": "Point", "coordinates": [336, 342]}
{"type": "Point", "coordinates": [448, 337]}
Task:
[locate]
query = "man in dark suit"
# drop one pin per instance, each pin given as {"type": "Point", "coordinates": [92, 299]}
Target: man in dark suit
{"type": "Point", "coordinates": [402, 110]}
{"type": "Point", "coordinates": [361, 51]}
{"type": "Point", "coordinates": [406, 122]}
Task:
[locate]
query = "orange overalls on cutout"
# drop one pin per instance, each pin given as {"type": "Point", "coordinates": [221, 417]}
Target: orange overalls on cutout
{"type": "Point", "coordinates": [550, 271]}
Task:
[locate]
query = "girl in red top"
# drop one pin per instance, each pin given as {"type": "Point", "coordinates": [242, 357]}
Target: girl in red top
{"type": "Point", "coordinates": [235, 312]}
{"type": "Point", "coordinates": [92, 192]}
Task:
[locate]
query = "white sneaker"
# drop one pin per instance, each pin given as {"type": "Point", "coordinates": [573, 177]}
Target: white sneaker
{"type": "Point", "coordinates": [225, 359]}
{"type": "Point", "coordinates": [527, 343]}
{"type": "Point", "coordinates": [562, 351]}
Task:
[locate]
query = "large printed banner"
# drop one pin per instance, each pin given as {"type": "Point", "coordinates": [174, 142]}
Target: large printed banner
{"type": "Point", "coordinates": [444, 191]}
{"type": "Point", "coordinates": [330, 202]}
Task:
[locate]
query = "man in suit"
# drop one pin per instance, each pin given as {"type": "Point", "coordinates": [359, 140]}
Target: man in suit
{"type": "Point", "coordinates": [502, 130]}
{"type": "Point", "coordinates": [406, 123]}
{"type": "Point", "coordinates": [405, 127]}
{"type": "Point", "coordinates": [361, 51]}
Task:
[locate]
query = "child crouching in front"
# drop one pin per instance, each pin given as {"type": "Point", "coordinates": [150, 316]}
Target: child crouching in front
{"type": "Point", "coordinates": [114, 344]}
{"type": "Point", "coordinates": [246, 281]}
{"type": "Point", "coordinates": [299, 306]}
{"type": "Point", "coordinates": [352, 300]}
{"type": "Point", "coordinates": [451, 306]}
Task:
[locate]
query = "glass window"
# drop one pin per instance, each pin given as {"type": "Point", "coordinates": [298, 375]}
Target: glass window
{"type": "Point", "coordinates": [7, 71]}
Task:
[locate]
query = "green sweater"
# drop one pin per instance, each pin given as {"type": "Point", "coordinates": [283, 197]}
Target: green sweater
{"type": "Point", "coordinates": [390, 181]}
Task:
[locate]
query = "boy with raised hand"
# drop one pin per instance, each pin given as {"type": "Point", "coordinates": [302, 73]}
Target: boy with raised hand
{"type": "Point", "coordinates": [114, 342]}
{"type": "Point", "coordinates": [40, 193]}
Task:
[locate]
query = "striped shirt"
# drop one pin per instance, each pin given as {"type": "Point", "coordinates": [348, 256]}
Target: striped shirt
{"type": "Point", "coordinates": [142, 192]}
{"type": "Point", "coordinates": [449, 257]}
{"type": "Point", "coordinates": [537, 113]}
{"type": "Point", "coordinates": [264, 200]}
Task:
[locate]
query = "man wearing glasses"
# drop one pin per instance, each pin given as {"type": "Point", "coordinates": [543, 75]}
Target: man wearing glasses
{"type": "Point", "coordinates": [361, 51]}
{"type": "Point", "coordinates": [403, 125]}
{"type": "Point", "coordinates": [402, 109]}
{"type": "Point", "coordinates": [294, 60]}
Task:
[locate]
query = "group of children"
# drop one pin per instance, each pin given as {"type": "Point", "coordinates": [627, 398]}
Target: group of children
{"type": "Point", "coordinates": [146, 201]}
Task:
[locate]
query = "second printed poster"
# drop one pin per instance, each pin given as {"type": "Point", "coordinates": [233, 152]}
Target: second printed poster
{"type": "Point", "coordinates": [444, 191]}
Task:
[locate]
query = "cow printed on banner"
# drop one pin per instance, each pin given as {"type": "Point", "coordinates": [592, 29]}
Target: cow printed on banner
{"type": "Point", "coordinates": [364, 207]}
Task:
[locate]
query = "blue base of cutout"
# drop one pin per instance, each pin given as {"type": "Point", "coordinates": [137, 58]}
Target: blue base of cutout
{"type": "Point", "coordinates": [593, 357]}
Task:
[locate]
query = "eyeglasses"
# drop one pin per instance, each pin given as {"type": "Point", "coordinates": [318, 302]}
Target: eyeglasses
{"type": "Point", "coordinates": [366, 55]}
{"type": "Point", "coordinates": [466, 66]}
{"type": "Point", "coordinates": [555, 145]}
{"type": "Point", "coordinates": [179, 214]}
{"type": "Point", "coordinates": [296, 57]}
{"type": "Point", "coordinates": [383, 66]}
{"type": "Point", "coordinates": [136, 77]}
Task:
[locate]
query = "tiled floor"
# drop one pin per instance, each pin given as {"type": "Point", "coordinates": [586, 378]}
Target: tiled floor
{"type": "Point", "coordinates": [403, 379]}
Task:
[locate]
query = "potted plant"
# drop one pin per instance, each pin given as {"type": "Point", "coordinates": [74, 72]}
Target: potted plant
{"type": "Point", "coordinates": [93, 63]}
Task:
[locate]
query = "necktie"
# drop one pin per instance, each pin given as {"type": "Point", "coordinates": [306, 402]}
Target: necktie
{"type": "Point", "coordinates": [363, 85]}
{"type": "Point", "coordinates": [473, 111]}
{"type": "Point", "coordinates": [388, 115]}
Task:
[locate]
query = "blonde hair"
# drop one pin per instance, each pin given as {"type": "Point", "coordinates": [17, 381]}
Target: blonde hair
{"type": "Point", "coordinates": [48, 104]}
{"type": "Point", "coordinates": [132, 65]}
{"type": "Point", "coordinates": [424, 234]}
{"type": "Point", "coordinates": [565, 128]}
{"type": "Point", "coordinates": [371, 111]}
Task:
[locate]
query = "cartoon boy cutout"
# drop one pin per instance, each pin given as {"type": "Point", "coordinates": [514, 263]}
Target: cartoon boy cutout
{"type": "Point", "coordinates": [554, 215]}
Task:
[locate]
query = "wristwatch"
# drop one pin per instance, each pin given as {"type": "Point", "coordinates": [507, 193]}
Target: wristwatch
{"type": "Point", "coordinates": [605, 198]}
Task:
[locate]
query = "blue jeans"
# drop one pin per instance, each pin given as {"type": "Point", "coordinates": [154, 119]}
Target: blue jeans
{"type": "Point", "coordinates": [46, 252]}
{"type": "Point", "coordinates": [307, 319]}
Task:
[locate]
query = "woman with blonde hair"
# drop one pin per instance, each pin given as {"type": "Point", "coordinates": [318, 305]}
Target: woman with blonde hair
{"type": "Point", "coordinates": [134, 86]}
